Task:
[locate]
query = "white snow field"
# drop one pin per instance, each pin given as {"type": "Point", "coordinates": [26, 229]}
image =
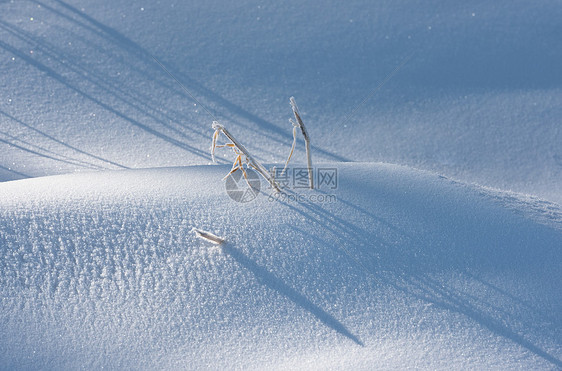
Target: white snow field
{"type": "Point", "coordinates": [479, 99]}
{"type": "Point", "coordinates": [440, 247]}
{"type": "Point", "coordinates": [403, 270]}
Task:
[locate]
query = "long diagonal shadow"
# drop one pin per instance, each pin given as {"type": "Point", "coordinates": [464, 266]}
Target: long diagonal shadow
{"type": "Point", "coordinates": [389, 268]}
{"type": "Point", "coordinates": [421, 285]}
{"type": "Point", "coordinates": [53, 74]}
{"type": "Point", "coordinates": [39, 150]}
{"type": "Point", "coordinates": [35, 152]}
{"type": "Point", "coordinates": [270, 280]}
{"type": "Point", "coordinates": [138, 101]}
{"type": "Point", "coordinates": [14, 172]}
{"type": "Point", "coordinates": [435, 293]}
{"type": "Point", "coordinates": [132, 47]}
{"type": "Point", "coordinates": [50, 137]}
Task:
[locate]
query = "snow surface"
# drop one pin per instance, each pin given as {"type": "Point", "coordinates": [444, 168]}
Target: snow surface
{"type": "Point", "coordinates": [480, 99]}
{"type": "Point", "coordinates": [406, 269]}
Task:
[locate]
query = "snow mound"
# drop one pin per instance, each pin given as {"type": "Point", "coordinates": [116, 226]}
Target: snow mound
{"type": "Point", "coordinates": [478, 99]}
{"type": "Point", "coordinates": [394, 268]}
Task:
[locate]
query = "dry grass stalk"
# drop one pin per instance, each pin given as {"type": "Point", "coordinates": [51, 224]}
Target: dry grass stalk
{"type": "Point", "coordinates": [300, 125]}
{"type": "Point", "coordinates": [240, 151]}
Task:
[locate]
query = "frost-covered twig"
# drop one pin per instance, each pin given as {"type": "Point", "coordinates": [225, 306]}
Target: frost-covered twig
{"type": "Point", "coordinates": [250, 160]}
{"type": "Point", "coordinates": [208, 236]}
{"type": "Point", "coordinates": [295, 126]}
{"type": "Point", "coordinates": [300, 124]}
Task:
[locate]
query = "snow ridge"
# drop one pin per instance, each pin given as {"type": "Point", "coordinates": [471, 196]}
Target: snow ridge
{"type": "Point", "coordinates": [107, 263]}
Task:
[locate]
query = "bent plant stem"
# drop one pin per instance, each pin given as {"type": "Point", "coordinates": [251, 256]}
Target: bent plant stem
{"type": "Point", "coordinates": [306, 141]}
{"type": "Point", "coordinates": [292, 146]}
{"type": "Point", "coordinates": [250, 159]}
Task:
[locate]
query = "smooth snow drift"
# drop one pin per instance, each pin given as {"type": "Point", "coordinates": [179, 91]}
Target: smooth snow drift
{"type": "Point", "coordinates": [395, 269]}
